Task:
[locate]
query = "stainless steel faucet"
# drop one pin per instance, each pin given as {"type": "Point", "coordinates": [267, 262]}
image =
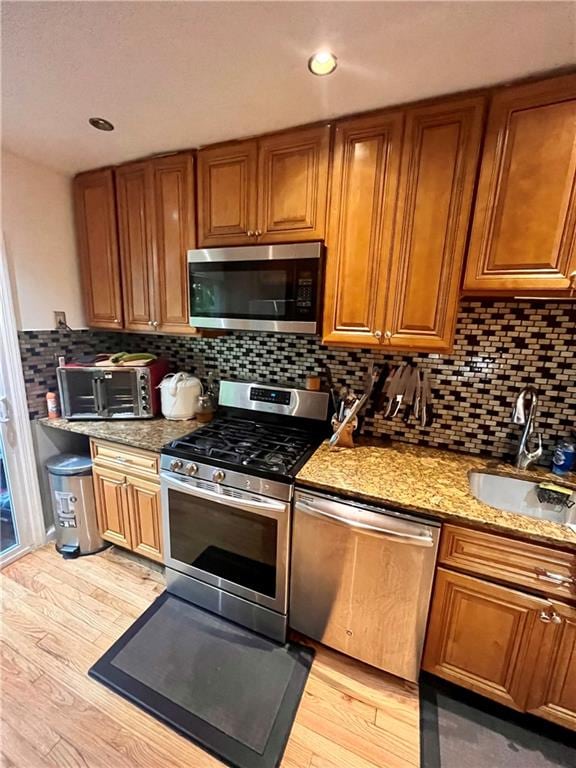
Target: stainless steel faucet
{"type": "Point", "coordinates": [524, 413]}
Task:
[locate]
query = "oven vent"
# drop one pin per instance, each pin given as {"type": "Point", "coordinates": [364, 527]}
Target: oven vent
{"type": "Point", "coordinates": [205, 486]}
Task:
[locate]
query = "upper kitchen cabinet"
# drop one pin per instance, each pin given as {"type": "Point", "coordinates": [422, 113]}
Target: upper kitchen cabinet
{"type": "Point", "coordinates": [440, 158]}
{"type": "Point", "coordinates": [365, 177]}
{"type": "Point", "coordinates": [401, 198]}
{"type": "Point", "coordinates": [269, 190]}
{"type": "Point", "coordinates": [293, 185]}
{"type": "Point", "coordinates": [523, 234]}
{"type": "Point", "coordinates": [136, 235]}
{"type": "Point", "coordinates": [227, 194]}
{"type": "Point", "coordinates": [156, 228]}
{"type": "Point", "coordinates": [95, 216]}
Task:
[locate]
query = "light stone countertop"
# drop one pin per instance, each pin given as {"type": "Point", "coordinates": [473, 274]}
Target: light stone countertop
{"type": "Point", "coordinates": [431, 481]}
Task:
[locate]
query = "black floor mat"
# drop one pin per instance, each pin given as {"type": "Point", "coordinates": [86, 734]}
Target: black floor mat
{"type": "Point", "coordinates": [460, 729]}
{"type": "Point", "coordinates": [231, 691]}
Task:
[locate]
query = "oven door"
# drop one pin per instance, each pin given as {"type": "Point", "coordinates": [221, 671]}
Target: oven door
{"type": "Point", "coordinates": [234, 540]}
{"type": "Point", "coordinates": [260, 288]}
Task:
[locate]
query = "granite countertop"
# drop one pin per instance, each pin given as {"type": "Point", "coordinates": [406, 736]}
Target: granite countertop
{"type": "Point", "coordinates": [148, 434]}
{"type": "Point", "coordinates": [431, 481]}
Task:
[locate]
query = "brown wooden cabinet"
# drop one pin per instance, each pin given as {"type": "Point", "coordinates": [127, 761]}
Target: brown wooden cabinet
{"type": "Point", "coordinates": [156, 228]}
{"type": "Point", "coordinates": [273, 189]}
{"type": "Point", "coordinates": [127, 492]}
{"type": "Point", "coordinates": [524, 228]}
{"type": "Point", "coordinates": [553, 687]}
{"type": "Point", "coordinates": [96, 236]}
{"type": "Point", "coordinates": [112, 506]}
{"type": "Point", "coordinates": [227, 194]}
{"type": "Point", "coordinates": [511, 646]}
{"type": "Point", "coordinates": [402, 188]}
{"type": "Point", "coordinates": [483, 636]}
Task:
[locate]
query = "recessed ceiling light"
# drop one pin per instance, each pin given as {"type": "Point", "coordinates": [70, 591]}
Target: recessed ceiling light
{"type": "Point", "coordinates": [322, 63]}
{"type": "Point", "coordinates": [101, 124]}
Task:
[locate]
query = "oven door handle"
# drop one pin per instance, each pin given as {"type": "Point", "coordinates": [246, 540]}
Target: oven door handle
{"type": "Point", "coordinates": [220, 498]}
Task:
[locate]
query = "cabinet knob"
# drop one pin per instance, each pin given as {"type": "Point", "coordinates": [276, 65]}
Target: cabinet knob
{"type": "Point", "coordinates": [388, 335]}
{"type": "Point", "coordinates": [155, 323]}
{"type": "Point", "coordinates": [149, 322]}
{"type": "Point", "coordinates": [572, 277]}
{"type": "Point", "coordinates": [544, 617]}
{"type": "Point", "coordinates": [378, 334]}
{"type": "Point", "coordinates": [250, 233]}
{"type": "Point", "coordinates": [258, 232]}
{"type": "Point", "coordinates": [116, 320]}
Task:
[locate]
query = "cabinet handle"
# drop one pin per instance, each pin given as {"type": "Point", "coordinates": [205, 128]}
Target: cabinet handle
{"type": "Point", "coordinates": [116, 320]}
{"type": "Point", "coordinates": [125, 485]}
{"type": "Point", "coordinates": [554, 578]}
{"type": "Point", "coordinates": [155, 323]}
{"type": "Point", "coordinates": [572, 282]}
{"type": "Point", "coordinates": [123, 460]}
{"type": "Point", "coordinates": [378, 334]}
{"type": "Point", "coordinates": [258, 232]}
{"type": "Point", "coordinates": [250, 233]}
{"type": "Point", "coordinates": [550, 618]}
{"type": "Point", "coordinates": [388, 335]}
{"type": "Point", "coordinates": [149, 322]}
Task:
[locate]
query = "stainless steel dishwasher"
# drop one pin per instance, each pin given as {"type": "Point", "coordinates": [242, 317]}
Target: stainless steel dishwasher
{"type": "Point", "coordinates": [361, 579]}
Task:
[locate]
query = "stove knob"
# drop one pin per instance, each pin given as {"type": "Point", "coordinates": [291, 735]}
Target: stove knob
{"type": "Point", "coordinates": [191, 469]}
{"type": "Point", "coordinates": [176, 465]}
{"type": "Point", "coordinates": [218, 476]}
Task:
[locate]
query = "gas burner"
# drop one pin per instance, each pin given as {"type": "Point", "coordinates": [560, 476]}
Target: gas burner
{"type": "Point", "coordinates": [258, 446]}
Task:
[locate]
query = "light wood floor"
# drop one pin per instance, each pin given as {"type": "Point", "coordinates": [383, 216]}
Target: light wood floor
{"type": "Point", "coordinates": [58, 616]}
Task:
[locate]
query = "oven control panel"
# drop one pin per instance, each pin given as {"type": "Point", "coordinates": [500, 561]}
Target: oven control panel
{"type": "Point", "coordinates": [265, 395]}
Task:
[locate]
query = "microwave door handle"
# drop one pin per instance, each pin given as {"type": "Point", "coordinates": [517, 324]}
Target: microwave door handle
{"type": "Point", "coordinates": [219, 498]}
{"type": "Point", "coordinates": [99, 396]}
{"type": "Point", "coordinates": [401, 538]}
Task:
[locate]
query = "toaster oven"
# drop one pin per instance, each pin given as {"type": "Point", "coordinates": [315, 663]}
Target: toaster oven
{"type": "Point", "coordinates": [112, 392]}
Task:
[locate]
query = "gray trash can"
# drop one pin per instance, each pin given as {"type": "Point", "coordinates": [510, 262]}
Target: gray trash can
{"type": "Point", "coordinates": [73, 505]}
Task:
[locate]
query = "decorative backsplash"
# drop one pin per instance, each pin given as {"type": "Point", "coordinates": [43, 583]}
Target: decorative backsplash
{"type": "Point", "coordinates": [500, 346]}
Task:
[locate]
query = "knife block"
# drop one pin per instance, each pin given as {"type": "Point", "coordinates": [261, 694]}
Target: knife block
{"type": "Point", "coordinates": [346, 439]}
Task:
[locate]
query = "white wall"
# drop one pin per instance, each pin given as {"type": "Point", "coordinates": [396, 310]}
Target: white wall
{"type": "Point", "coordinates": [37, 221]}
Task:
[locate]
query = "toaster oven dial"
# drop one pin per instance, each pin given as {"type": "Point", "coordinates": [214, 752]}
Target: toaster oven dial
{"type": "Point", "coordinates": [191, 469]}
{"type": "Point", "coordinates": [176, 465]}
{"type": "Point", "coordinates": [218, 476]}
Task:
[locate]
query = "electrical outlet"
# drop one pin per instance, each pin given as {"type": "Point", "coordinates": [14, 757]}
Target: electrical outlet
{"type": "Point", "coordinates": [60, 320]}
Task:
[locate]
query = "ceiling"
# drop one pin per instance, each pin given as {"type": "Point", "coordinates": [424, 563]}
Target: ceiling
{"type": "Point", "coordinates": [172, 75]}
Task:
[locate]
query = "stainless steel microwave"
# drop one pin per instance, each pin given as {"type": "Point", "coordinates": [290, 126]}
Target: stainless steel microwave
{"type": "Point", "coordinates": [257, 288]}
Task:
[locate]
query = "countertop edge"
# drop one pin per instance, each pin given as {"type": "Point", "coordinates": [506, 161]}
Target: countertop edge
{"type": "Point", "coordinates": [436, 515]}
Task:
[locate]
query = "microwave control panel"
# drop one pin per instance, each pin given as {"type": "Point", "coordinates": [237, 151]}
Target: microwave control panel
{"type": "Point", "coordinates": [304, 292]}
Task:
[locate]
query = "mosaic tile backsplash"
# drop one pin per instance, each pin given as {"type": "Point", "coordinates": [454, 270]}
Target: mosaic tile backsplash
{"type": "Point", "coordinates": [500, 346]}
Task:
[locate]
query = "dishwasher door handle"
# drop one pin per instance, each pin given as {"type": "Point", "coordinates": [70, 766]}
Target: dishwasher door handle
{"type": "Point", "coordinates": [401, 538]}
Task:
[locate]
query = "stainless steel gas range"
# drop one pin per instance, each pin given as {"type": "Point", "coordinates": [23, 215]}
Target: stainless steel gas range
{"type": "Point", "coordinates": [226, 501]}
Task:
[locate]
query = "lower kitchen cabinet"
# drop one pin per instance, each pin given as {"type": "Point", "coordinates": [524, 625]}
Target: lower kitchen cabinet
{"type": "Point", "coordinates": [553, 687]}
{"type": "Point", "coordinates": [144, 515]}
{"type": "Point", "coordinates": [111, 506]}
{"type": "Point", "coordinates": [483, 636]}
{"type": "Point", "coordinates": [500, 641]}
{"type": "Point", "coordinates": [128, 510]}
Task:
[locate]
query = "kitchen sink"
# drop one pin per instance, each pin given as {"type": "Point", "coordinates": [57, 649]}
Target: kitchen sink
{"type": "Point", "coordinates": [512, 494]}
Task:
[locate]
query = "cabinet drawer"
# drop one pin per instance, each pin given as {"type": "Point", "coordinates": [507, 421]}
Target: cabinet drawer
{"type": "Point", "coordinates": [125, 459]}
{"type": "Point", "coordinates": [518, 563]}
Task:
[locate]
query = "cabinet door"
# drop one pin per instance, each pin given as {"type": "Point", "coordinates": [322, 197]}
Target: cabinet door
{"type": "Point", "coordinates": [553, 688]}
{"type": "Point", "coordinates": [360, 230]}
{"type": "Point", "coordinates": [439, 161]}
{"type": "Point", "coordinates": [525, 216]}
{"type": "Point", "coordinates": [96, 237]}
{"type": "Point", "coordinates": [293, 185]}
{"type": "Point", "coordinates": [174, 207]}
{"type": "Point", "coordinates": [136, 231]}
{"type": "Point", "coordinates": [227, 194]}
{"type": "Point", "coordinates": [112, 506]}
{"type": "Point", "coordinates": [484, 637]}
{"type": "Point", "coordinates": [145, 524]}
